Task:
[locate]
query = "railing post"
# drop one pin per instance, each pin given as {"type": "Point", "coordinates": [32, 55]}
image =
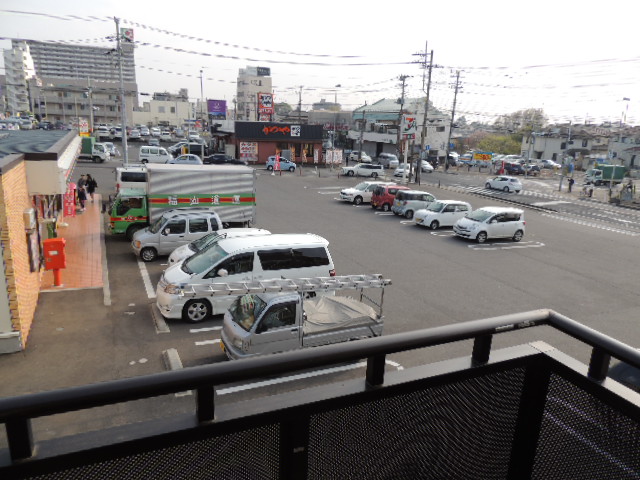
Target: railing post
{"type": "Point", "coordinates": [481, 349]}
{"type": "Point", "coordinates": [375, 370]}
{"type": "Point", "coordinates": [205, 403]}
{"type": "Point", "coordinates": [530, 413]}
{"type": "Point", "coordinates": [599, 364]}
{"type": "Point", "coordinates": [20, 438]}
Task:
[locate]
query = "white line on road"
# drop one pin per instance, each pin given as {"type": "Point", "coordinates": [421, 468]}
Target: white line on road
{"type": "Point", "coordinates": [208, 342]}
{"type": "Point", "coordinates": [556, 202]}
{"type": "Point", "coordinates": [208, 329]}
{"type": "Point", "coordinates": [146, 279]}
{"type": "Point", "coordinates": [292, 378]}
{"type": "Point", "coordinates": [505, 246]}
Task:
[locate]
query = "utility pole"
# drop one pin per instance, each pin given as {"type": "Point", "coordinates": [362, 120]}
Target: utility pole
{"type": "Point", "coordinates": [300, 105]}
{"type": "Point", "coordinates": [123, 103]}
{"type": "Point", "coordinates": [362, 123]}
{"type": "Point", "coordinates": [201, 101]}
{"type": "Point", "coordinates": [403, 79]}
{"type": "Point", "coordinates": [453, 114]}
{"type": "Point", "coordinates": [423, 134]}
{"type": "Point", "coordinates": [90, 96]}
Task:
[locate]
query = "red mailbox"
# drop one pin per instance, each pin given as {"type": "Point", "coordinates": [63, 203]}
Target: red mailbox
{"type": "Point", "coordinates": [54, 256]}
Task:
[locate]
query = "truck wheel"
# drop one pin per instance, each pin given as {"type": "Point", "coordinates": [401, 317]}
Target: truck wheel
{"type": "Point", "coordinates": [132, 230]}
{"type": "Point", "coordinates": [95, 159]}
{"type": "Point", "coordinates": [148, 254]}
{"type": "Point", "coordinates": [196, 311]}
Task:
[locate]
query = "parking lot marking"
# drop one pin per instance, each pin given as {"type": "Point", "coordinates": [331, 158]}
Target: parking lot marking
{"type": "Point", "coordinates": [407, 222]}
{"type": "Point", "coordinates": [506, 246]}
{"type": "Point", "coordinates": [291, 378]}
{"type": "Point", "coordinates": [384, 214]}
{"type": "Point", "coordinates": [444, 233]}
{"type": "Point", "coordinates": [207, 329]}
{"type": "Point", "coordinates": [555, 202]}
{"type": "Point", "coordinates": [146, 279]}
{"type": "Point", "coordinates": [208, 342]}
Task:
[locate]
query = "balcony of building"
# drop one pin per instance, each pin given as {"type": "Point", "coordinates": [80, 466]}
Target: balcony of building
{"type": "Point", "coordinates": [521, 412]}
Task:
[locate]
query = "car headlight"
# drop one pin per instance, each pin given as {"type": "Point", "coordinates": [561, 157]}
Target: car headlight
{"type": "Point", "coordinates": [137, 244]}
{"type": "Point", "coordinates": [237, 342]}
{"type": "Point", "coordinates": [172, 289]}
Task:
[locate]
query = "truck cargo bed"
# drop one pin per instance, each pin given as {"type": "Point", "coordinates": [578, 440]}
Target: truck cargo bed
{"type": "Point", "coordinates": [328, 313]}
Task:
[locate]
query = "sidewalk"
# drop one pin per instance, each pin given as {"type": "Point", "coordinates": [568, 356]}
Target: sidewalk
{"type": "Point", "coordinates": [84, 250]}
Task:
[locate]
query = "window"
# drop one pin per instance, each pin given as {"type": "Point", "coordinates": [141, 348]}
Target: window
{"type": "Point", "coordinates": [235, 265]}
{"type": "Point", "coordinates": [284, 259]}
{"type": "Point", "coordinates": [160, 109]}
{"type": "Point", "coordinates": [585, 142]}
{"type": "Point", "coordinates": [214, 224]}
{"type": "Point", "coordinates": [175, 227]}
{"type": "Point", "coordinates": [439, 129]}
{"type": "Point", "coordinates": [450, 208]}
{"type": "Point", "coordinates": [198, 225]}
{"type": "Point", "coordinates": [563, 146]}
{"type": "Point", "coordinates": [133, 177]}
{"type": "Point", "coordinates": [173, 109]}
{"type": "Point", "coordinates": [278, 316]}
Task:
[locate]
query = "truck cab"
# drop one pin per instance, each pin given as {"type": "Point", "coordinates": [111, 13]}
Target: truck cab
{"type": "Point", "coordinates": [129, 212]}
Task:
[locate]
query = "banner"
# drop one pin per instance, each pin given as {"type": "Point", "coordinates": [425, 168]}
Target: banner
{"type": "Point", "coordinates": [409, 126]}
{"type": "Point", "coordinates": [249, 151]}
{"type": "Point", "coordinates": [265, 103]}
{"type": "Point", "coordinates": [217, 109]}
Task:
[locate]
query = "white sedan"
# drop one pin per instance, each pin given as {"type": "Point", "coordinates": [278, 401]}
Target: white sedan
{"type": "Point", "coordinates": [443, 213]}
{"type": "Point", "coordinates": [504, 183]}
{"type": "Point", "coordinates": [425, 167]}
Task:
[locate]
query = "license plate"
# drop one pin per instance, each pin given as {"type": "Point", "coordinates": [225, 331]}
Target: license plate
{"type": "Point", "coordinates": [418, 220]}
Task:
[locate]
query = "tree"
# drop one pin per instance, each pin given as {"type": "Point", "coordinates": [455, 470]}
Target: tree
{"type": "Point", "coordinates": [522, 121]}
{"type": "Point", "coordinates": [283, 108]}
{"type": "Point", "coordinates": [504, 144]}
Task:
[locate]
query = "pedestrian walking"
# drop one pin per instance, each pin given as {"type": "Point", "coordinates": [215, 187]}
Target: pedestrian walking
{"type": "Point", "coordinates": [82, 198]}
{"type": "Point", "coordinates": [91, 186]}
{"type": "Point", "coordinates": [571, 182]}
{"type": "Point", "coordinates": [82, 183]}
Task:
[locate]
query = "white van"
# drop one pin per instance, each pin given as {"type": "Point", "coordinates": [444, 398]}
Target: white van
{"type": "Point", "coordinates": [241, 259]}
{"type": "Point", "coordinates": [197, 246]}
{"type": "Point", "coordinates": [173, 229]}
{"type": "Point", "coordinates": [133, 176]}
{"type": "Point", "coordinates": [150, 154]}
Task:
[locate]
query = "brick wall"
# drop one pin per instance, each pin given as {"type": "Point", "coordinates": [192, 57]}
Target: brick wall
{"type": "Point", "coordinates": [23, 286]}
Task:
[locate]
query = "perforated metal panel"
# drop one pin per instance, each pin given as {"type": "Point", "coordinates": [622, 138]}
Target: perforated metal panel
{"type": "Point", "coordinates": [461, 430]}
{"type": "Point", "coordinates": [252, 454]}
{"type": "Point", "coordinates": [583, 438]}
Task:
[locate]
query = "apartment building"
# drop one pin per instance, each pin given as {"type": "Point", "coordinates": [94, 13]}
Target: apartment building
{"type": "Point", "coordinates": [254, 95]}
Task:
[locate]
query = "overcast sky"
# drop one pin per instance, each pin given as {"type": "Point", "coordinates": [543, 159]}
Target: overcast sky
{"type": "Point", "coordinates": [573, 60]}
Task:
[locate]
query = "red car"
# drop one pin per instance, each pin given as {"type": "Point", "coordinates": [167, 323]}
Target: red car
{"type": "Point", "coordinates": [384, 195]}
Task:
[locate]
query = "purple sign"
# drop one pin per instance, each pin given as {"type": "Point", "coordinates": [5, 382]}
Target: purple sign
{"type": "Point", "coordinates": [217, 109]}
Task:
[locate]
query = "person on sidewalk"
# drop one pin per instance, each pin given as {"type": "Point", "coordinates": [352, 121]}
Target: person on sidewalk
{"type": "Point", "coordinates": [91, 186]}
{"type": "Point", "coordinates": [571, 182]}
{"type": "Point", "coordinates": [82, 197]}
{"type": "Point", "coordinates": [82, 183]}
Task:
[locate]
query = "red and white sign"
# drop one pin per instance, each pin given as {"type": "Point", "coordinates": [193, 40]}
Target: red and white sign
{"type": "Point", "coordinates": [69, 199]}
{"type": "Point", "coordinates": [277, 166]}
{"type": "Point", "coordinates": [265, 103]}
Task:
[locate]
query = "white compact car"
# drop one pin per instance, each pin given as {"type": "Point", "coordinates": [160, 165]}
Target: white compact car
{"type": "Point", "coordinates": [442, 213]}
{"type": "Point", "coordinates": [491, 222]}
{"type": "Point", "coordinates": [359, 194]}
{"type": "Point", "coordinates": [504, 183]}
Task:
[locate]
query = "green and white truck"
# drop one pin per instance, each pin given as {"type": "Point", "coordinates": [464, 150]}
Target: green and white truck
{"type": "Point", "coordinates": [229, 190]}
{"type": "Point", "coordinates": [605, 174]}
{"type": "Point", "coordinates": [90, 150]}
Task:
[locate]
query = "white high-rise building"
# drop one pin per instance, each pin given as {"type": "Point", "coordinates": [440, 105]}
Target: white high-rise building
{"type": "Point", "coordinates": [251, 82]}
{"type": "Point", "coordinates": [19, 69]}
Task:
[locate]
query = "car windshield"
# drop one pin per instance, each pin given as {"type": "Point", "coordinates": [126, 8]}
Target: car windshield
{"type": "Point", "coordinates": [204, 260]}
{"type": "Point", "coordinates": [480, 215]}
{"type": "Point", "coordinates": [246, 309]}
{"type": "Point", "coordinates": [435, 206]}
{"type": "Point", "coordinates": [155, 226]}
{"type": "Point", "coordinates": [203, 242]}
{"type": "Point", "coordinates": [360, 186]}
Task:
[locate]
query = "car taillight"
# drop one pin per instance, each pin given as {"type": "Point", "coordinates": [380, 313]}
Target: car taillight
{"type": "Point", "coordinates": [332, 272]}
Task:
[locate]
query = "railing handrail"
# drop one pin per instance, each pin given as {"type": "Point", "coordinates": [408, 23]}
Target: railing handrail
{"type": "Point", "coordinates": [122, 390]}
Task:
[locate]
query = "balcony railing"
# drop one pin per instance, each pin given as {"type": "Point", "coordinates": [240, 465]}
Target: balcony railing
{"type": "Point", "coordinates": [516, 413]}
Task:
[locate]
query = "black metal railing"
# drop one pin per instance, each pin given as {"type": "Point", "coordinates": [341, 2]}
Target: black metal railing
{"type": "Point", "coordinates": [483, 416]}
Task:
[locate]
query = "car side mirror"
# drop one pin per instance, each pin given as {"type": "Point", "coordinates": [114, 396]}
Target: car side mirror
{"type": "Point", "coordinates": [223, 272]}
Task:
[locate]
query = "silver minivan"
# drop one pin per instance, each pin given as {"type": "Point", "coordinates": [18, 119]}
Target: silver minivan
{"type": "Point", "coordinates": [173, 229]}
{"type": "Point", "coordinates": [409, 201]}
{"type": "Point", "coordinates": [240, 259]}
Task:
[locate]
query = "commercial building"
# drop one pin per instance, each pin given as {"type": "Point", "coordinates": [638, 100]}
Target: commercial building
{"type": "Point", "coordinates": [166, 109]}
{"type": "Point", "coordinates": [33, 184]}
{"type": "Point", "coordinates": [62, 82]}
{"type": "Point", "coordinates": [254, 95]}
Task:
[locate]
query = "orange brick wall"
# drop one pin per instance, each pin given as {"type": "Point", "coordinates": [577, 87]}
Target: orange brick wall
{"type": "Point", "coordinates": [22, 285]}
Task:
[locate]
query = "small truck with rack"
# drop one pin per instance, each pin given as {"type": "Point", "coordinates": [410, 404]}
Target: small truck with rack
{"type": "Point", "coordinates": [279, 315]}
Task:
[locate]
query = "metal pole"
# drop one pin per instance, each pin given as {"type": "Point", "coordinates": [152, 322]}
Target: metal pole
{"type": "Point", "coordinates": [123, 102]}
{"type": "Point", "coordinates": [361, 135]}
{"type": "Point", "coordinates": [90, 95]}
{"type": "Point", "coordinates": [201, 101]}
{"type": "Point", "coordinates": [423, 139]}
{"type": "Point", "coordinates": [453, 114]}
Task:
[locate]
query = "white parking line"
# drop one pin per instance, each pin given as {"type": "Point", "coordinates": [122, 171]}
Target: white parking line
{"type": "Point", "coordinates": [151, 293]}
{"type": "Point", "coordinates": [208, 342]}
{"type": "Point", "coordinates": [208, 329]}
{"type": "Point", "coordinates": [506, 246]}
{"type": "Point", "coordinates": [292, 378]}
